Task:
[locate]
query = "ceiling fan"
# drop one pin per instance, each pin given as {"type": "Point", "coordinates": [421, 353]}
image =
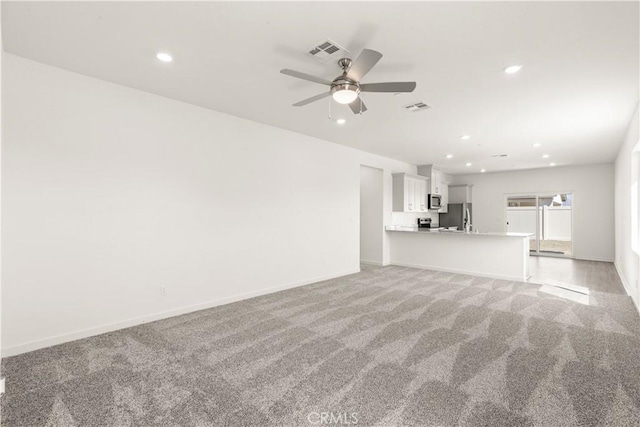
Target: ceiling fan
{"type": "Point", "coordinates": [346, 88]}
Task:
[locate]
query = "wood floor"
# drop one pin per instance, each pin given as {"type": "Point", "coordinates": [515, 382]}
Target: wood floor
{"type": "Point", "coordinates": [596, 275]}
{"type": "Point", "coordinates": [558, 246]}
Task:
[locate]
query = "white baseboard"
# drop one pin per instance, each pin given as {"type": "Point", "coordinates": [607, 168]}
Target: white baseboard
{"type": "Point", "coordinates": [626, 286]}
{"type": "Point", "coordinates": [456, 271]}
{"type": "Point", "coordinates": [86, 333]}
{"type": "Point", "coordinates": [368, 262]}
{"type": "Point", "coordinates": [593, 259]}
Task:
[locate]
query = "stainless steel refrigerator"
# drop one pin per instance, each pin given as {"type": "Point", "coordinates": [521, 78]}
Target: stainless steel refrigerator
{"type": "Point", "coordinates": [455, 217]}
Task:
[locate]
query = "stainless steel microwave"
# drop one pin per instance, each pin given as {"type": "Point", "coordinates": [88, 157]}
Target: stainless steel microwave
{"type": "Point", "coordinates": [435, 201]}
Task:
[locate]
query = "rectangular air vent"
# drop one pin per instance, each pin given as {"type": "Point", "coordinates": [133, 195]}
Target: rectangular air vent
{"type": "Point", "coordinates": [500, 155]}
{"type": "Point", "coordinates": [418, 106]}
{"type": "Point", "coordinates": [328, 50]}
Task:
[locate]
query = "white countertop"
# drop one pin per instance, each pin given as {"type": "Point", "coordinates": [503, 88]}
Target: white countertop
{"type": "Point", "coordinates": [415, 229]}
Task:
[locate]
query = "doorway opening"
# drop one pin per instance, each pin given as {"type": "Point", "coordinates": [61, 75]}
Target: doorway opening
{"type": "Point", "coordinates": [548, 216]}
{"type": "Point", "coordinates": [371, 215]}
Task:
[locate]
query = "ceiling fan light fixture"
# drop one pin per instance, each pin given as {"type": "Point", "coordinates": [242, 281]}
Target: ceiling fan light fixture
{"type": "Point", "coordinates": [344, 93]}
{"type": "Point", "coordinates": [345, 96]}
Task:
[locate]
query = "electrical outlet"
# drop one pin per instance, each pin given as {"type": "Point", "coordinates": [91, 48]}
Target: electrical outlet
{"type": "Point", "coordinates": [163, 290]}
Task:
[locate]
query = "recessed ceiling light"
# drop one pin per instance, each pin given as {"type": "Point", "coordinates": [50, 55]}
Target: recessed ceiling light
{"type": "Point", "coordinates": [537, 144]}
{"type": "Point", "coordinates": [512, 69]}
{"type": "Point", "coordinates": [341, 121]}
{"type": "Point", "coordinates": [465, 137]}
{"type": "Point", "coordinates": [164, 57]}
{"type": "Point", "coordinates": [552, 164]}
{"type": "Point", "coordinates": [449, 156]}
{"type": "Point", "coordinates": [545, 156]}
{"type": "Point", "coordinates": [468, 164]}
{"type": "Point", "coordinates": [483, 170]}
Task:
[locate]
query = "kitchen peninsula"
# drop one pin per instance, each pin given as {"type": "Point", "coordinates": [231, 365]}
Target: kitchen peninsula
{"type": "Point", "coordinates": [496, 255]}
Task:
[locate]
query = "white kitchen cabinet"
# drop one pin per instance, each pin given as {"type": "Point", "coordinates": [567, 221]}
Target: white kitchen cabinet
{"type": "Point", "coordinates": [424, 192]}
{"type": "Point", "coordinates": [436, 181]}
{"type": "Point", "coordinates": [410, 200]}
{"type": "Point", "coordinates": [409, 193]}
{"type": "Point", "coordinates": [438, 184]}
{"type": "Point", "coordinates": [445, 199]}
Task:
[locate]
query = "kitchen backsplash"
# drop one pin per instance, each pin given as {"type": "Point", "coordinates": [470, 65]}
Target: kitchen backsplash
{"type": "Point", "coordinates": [408, 218]}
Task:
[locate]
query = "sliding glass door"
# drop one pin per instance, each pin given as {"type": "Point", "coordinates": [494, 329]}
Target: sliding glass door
{"type": "Point", "coordinates": [548, 216]}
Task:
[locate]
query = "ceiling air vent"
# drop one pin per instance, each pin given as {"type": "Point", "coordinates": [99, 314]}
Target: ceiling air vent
{"type": "Point", "coordinates": [418, 106]}
{"type": "Point", "coordinates": [328, 50]}
{"type": "Point", "coordinates": [500, 155]}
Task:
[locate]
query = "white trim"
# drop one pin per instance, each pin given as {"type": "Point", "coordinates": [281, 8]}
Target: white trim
{"type": "Point", "coordinates": [85, 333]}
{"type": "Point", "coordinates": [368, 262]}
{"type": "Point", "coordinates": [626, 285]}
{"type": "Point", "coordinates": [467, 272]}
{"type": "Point", "coordinates": [591, 259]}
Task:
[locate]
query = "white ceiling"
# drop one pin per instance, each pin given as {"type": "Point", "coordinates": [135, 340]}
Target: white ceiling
{"type": "Point", "coordinates": [575, 94]}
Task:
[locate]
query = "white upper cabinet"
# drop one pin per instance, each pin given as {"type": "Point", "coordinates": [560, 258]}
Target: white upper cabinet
{"type": "Point", "coordinates": [424, 191]}
{"type": "Point", "coordinates": [438, 184]}
{"type": "Point", "coordinates": [436, 181]}
{"type": "Point", "coordinates": [409, 193]}
{"type": "Point", "coordinates": [445, 199]}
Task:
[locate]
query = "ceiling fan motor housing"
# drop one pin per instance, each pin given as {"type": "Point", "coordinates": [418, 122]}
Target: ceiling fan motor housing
{"type": "Point", "coordinates": [343, 83]}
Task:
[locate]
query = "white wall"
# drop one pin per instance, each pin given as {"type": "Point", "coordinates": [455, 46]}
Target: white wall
{"type": "Point", "coordinates": [371, 215]}
{"type": "Point", "coordinates": [111, 194]}
{"type": "Point", "coordinates": [626, 259]}
{"type": "Point", "coordinates": [592, 188]}
{"type": "Point", "coordinates": [411, 218]}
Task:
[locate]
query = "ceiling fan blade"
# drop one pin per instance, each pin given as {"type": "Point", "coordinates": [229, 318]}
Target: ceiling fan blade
{"type": "Point", "coordinates": [388, 87]}
{"type": "Point", "coordinates": [363, 64]}
{"type": "Point", "coordinates": [358, 106]}
{"type": "Point", "coordinates": [304, 76]}
{"type": "Point", "coordinates": [312, 99]}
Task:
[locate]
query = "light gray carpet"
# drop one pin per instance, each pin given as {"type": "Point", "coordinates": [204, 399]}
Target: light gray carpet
{"type": "Point", "coordinates": [387, 346]}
